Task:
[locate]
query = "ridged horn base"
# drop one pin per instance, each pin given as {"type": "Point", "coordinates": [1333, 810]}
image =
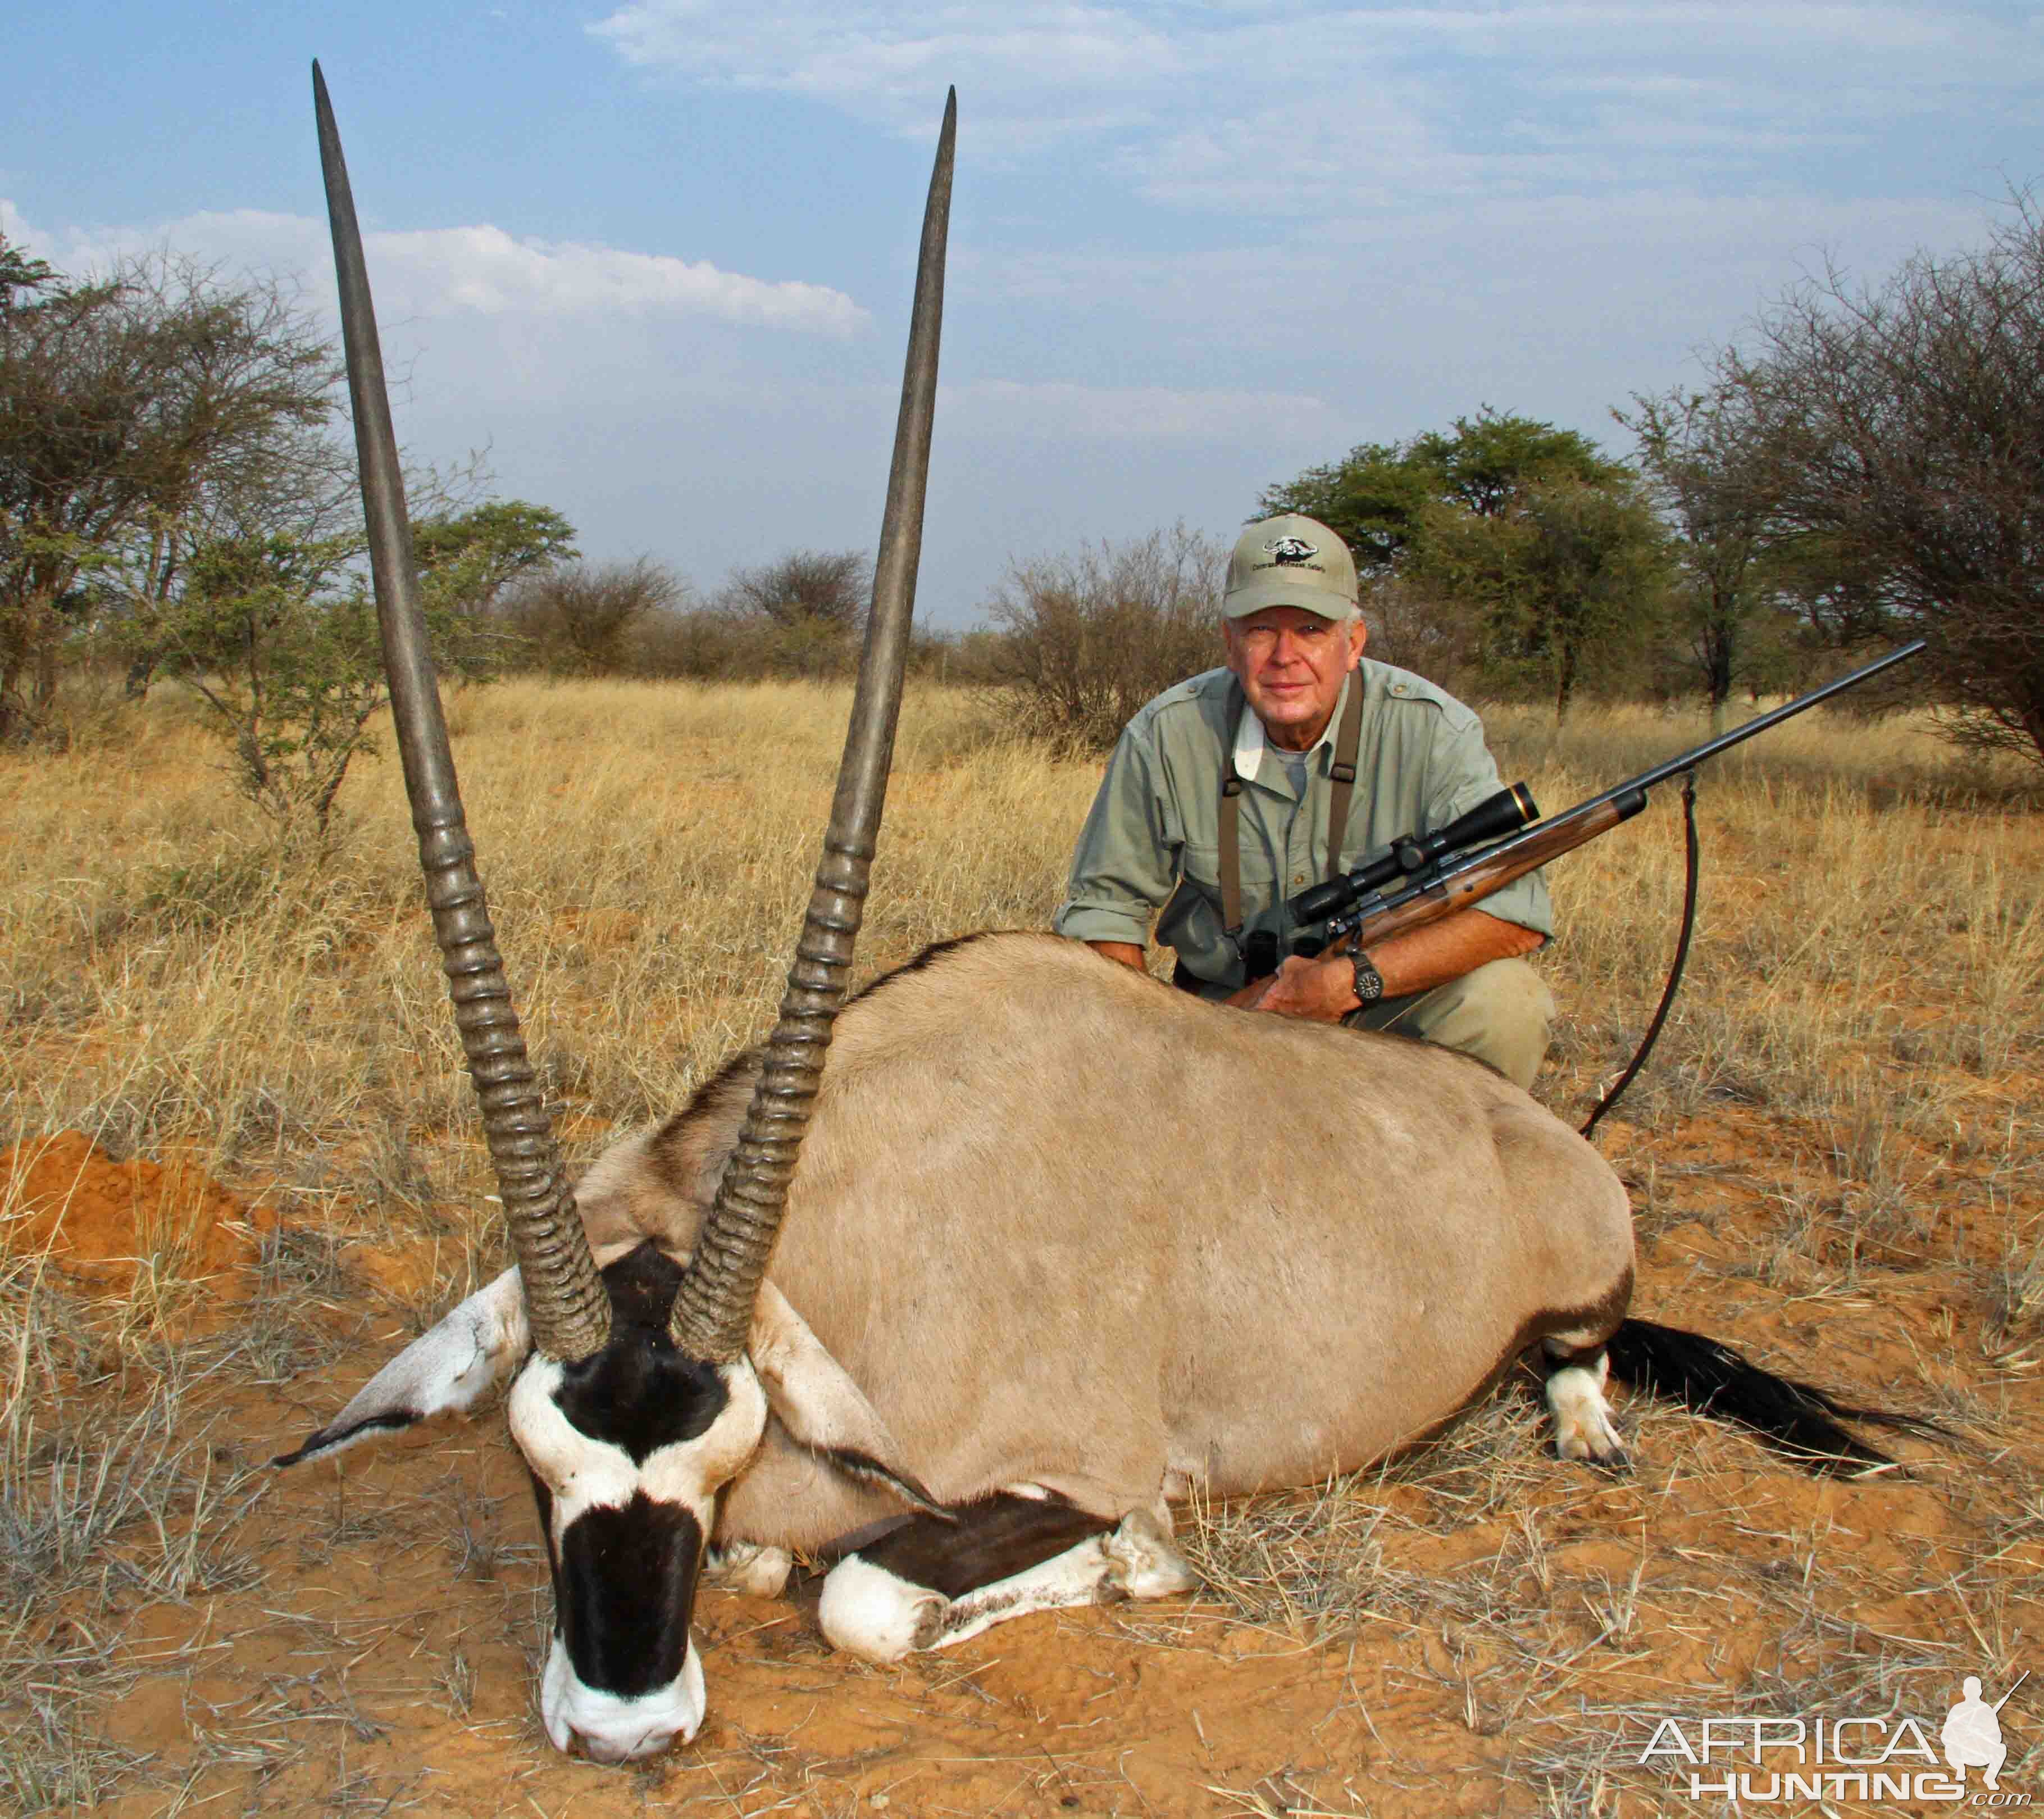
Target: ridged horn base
{"type": "Point", "coordinates": [713, 1306]}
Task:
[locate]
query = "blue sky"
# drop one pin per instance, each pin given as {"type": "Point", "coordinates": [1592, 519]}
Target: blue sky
{"type": "Point", "coordinates": [656, 255]}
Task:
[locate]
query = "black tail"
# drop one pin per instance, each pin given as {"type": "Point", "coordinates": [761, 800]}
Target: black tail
{"type": "Point", "coordinates": [1712, 1379]}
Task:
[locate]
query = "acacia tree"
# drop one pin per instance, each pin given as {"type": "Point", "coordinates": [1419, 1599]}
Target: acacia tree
{"type": "Point", "coordinates": [1568, 580]}
{"type": "Point", "coordinates": [1377, 498]}
{"type": "Point", "coordinates": [1447, 530]}
{"type": "Point", "coordinates": [580, 616]}
{"type": "Point", "coordinates": [835, 585]}
{"type": "Point", "coordinates": [272, 627]}
{"type": "Point", "coordinates": [1089, 638]}
{"type": "Point", "coordinates": [469, 557]}
{"type": "Point", "coordinates": [125, 403]}
{"type": "Point", "coordinates": [275, 635]}
{"type": "Point", "coordinates": [803, 613]}
{"type": "Point", "coordinates": [1700, 457]}
{"type": "Point", "coordinates": [1903, 451]}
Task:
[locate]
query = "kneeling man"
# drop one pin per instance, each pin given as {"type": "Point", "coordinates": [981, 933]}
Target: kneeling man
{"type": "Point", "coordinates": [1299, 760]}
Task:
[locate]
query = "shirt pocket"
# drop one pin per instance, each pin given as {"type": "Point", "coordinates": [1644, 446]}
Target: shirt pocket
{"type": "Point", "coordinates": [1202, 863]}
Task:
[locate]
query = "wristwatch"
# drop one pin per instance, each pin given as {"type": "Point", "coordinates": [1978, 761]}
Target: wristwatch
{"type": "Point", "coordinates": [1369, 980]}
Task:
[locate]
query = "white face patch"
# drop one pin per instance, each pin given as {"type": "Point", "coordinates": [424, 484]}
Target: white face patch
{"type": "Point", "coordinates": [614, 1729]}
{"type": "Point", "coordinates": [583, 1473]}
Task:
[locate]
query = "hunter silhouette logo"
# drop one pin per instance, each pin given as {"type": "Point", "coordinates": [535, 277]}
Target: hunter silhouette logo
{"type": "Point", "coordinates": [1972, 1735]}
{"type": "Point", "coordinates": [1870, 1757]}
{"type": "Point", "coordinates": [1290, 549]}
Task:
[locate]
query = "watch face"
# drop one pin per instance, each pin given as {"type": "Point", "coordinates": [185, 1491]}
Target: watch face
{"type": "Point", "coordinates": [1369, 980]}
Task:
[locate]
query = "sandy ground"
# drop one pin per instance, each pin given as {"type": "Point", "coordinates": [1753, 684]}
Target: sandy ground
{"type": "Point", "coordinates": [1479, 1628]}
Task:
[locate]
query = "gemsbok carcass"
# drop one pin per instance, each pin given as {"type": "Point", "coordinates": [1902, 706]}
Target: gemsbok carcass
{"type": "Point", "coordinates": [1039, 1248]}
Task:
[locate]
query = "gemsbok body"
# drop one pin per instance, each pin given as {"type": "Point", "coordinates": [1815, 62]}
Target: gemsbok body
{"type": "Point", "coordinates": [964, 1284]}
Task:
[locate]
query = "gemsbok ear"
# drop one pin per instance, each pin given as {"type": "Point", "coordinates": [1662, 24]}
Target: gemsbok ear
{"type": "Point", "coordinates": [822, 1409]}
{"type": "Point", "coordinates": [449, 1368]}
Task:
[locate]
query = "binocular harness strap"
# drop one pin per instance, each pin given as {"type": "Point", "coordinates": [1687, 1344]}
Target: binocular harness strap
{"type": "Point", "coordinates": [1348, 741]}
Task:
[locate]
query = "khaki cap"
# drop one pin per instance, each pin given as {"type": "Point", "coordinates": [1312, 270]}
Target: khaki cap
{"type": "Point", "coordinates": [1290, 560]}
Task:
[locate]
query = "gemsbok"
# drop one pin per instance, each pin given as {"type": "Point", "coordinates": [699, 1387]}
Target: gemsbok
{"type": "Point", "coordinates": [963, 1289]}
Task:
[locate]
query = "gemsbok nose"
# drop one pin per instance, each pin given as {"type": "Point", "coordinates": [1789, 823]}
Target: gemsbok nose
{"type": "Point", "coordinates": [612, 1750]}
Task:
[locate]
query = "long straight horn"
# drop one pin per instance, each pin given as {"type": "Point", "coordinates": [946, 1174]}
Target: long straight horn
{"type": "Point", "coordinates": [564, 1298]}
{"type": "Point", "coordinates": [713, 1306]}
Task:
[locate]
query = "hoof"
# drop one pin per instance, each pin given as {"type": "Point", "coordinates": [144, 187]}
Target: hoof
{"type": "Point", "coordinates": [1583, 1426]}
{"type": "Point", "coordinates": [1142, 1563]}
{"type": "Point", "coordinates": [746, 1567]}
{"type": "Point", "coordinates": [1588, 1434]}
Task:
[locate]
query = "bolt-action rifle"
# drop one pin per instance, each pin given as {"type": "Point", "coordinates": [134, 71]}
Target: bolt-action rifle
{"type": "Point", "coordinates": [1425, 877]}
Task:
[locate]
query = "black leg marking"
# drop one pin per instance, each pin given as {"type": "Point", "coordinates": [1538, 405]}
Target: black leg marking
{"type": "Point", "coordinates": [975, 1544]}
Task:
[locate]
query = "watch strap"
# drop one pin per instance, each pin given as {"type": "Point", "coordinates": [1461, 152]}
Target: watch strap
{"type": "Point", "coordinates": [1369, 980]}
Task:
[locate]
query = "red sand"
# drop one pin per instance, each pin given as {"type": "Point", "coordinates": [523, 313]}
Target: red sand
{"type": "Point", "coordinates": [99, 1220]}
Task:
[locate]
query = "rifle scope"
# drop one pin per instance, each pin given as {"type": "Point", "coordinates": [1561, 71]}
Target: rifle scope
{"type": "Point", "coordinates": [1493, 818]}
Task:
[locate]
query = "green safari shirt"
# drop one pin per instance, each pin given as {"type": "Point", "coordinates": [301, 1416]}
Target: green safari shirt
{"type": "Point", "coordinates": [1152, 841]}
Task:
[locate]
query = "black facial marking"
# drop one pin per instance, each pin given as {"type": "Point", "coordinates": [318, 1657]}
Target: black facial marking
{"type": "Point", "coordinates": [623, 1589]}
{"type": "Point", "coordinates": [642, 1285]}
{"type": "Point", "coordinates": [980, 1544]}
{"type": "Point", "coordinates": [624, 1577]}
{"type": "Point", "coordinates": [545, 1499]}
{"type": "Point", "coordinates": [639, 1393]}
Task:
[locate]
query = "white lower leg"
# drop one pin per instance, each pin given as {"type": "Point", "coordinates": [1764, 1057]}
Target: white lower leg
{"type": "Point", "coordinates": [869, 1611]}
{"type": "Point", "coordinates": [1583, 1424]}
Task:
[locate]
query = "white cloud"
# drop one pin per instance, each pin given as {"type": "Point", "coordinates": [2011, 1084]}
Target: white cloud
{"type": "Point", "coordinates": [1037, 74]}
{"type": "Point", "coordinates": [484, 268]}
{"type": "Point", "coordinates": [439, 272]}
{"type": "Point", "coordinates": [1520, 267]}
{"type": "Point", "coordinates": [1297, 107]}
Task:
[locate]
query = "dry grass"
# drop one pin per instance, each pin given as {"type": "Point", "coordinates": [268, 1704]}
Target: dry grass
{"type": "Point", "coordinates": [1840, 1135]}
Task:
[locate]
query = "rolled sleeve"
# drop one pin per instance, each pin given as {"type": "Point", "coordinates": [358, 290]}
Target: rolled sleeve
{"type": "Point", "coordinates": [1125, 865]}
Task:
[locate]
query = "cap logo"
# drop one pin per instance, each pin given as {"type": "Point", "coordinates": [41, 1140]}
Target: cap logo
{"type": "Point", "coordinates": [1290, 549]}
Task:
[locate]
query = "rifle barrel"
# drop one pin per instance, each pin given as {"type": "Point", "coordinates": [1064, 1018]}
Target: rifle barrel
{"type": "Point", "coordinates": [1437, 881]}
{"type": "Point", "coordinates": [1710, 748]}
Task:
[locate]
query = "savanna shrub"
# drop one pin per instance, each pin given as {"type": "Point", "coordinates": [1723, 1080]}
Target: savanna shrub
{"type": "Point", "coordinates": [579, 618]}
{"type": "Point", "coordinates": [1089, 638]}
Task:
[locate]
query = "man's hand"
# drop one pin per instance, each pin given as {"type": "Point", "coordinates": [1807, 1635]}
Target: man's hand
{"type": "Point", "coordinates": [1123, 953]}
{"type": "Point", "coordinates": [1324, 990]}
{"type": "Point", "coordinates": [1320, 990]}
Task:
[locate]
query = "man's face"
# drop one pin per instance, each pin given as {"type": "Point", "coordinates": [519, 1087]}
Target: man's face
{"type": "Point", "coordinates": [1290, 663]}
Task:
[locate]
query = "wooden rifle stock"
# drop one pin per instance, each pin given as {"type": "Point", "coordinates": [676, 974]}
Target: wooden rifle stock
{"type": "Point", "coordinates": [1468, 884]}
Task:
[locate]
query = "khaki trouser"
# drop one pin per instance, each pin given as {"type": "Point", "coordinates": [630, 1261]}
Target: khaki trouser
{"type": "Point", "coordinates": [1499, 1013]}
